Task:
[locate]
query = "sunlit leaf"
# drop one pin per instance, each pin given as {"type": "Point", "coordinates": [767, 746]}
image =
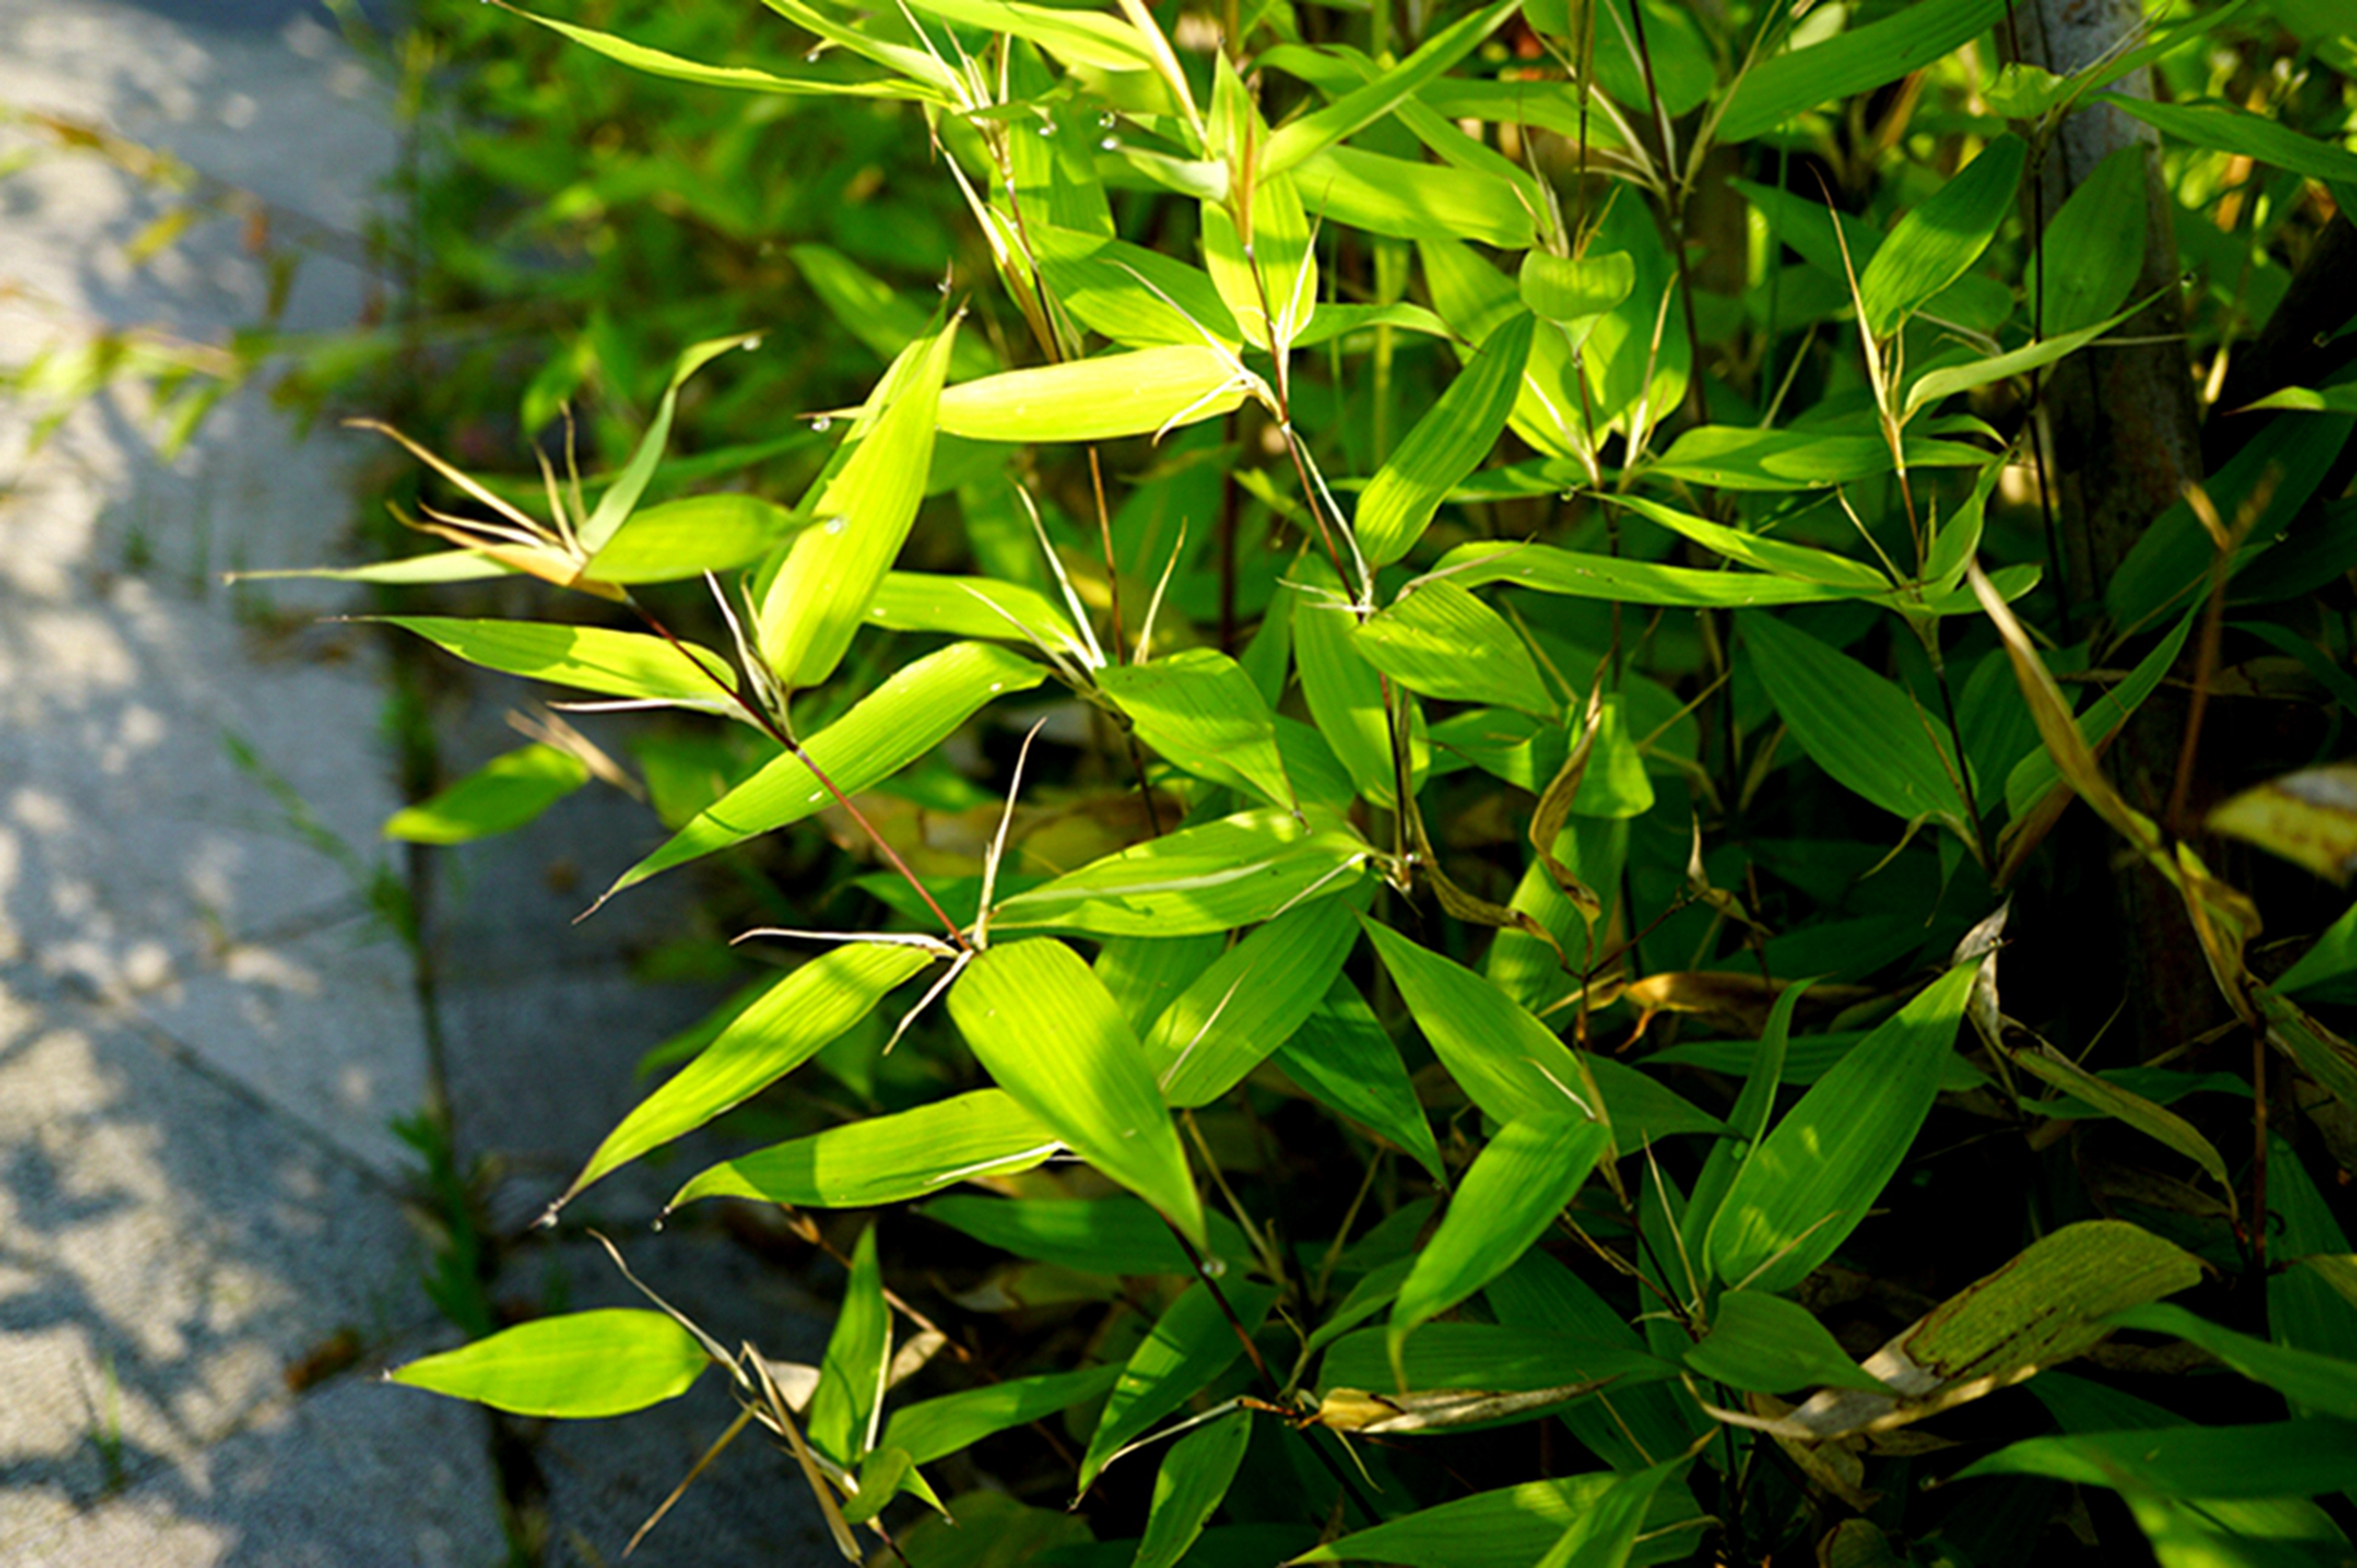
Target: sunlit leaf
{"type": "Point", "coordinates": [1201, 710]}
{"type": "Point", "coordinates": [1513, 1527]}
{"type": "Point", "coordinates": [1249, 1003]}
{"type": "Point", "coordinates": [885, 1159]}
{"type": "Point", "coordinates": [937, 1428]}
{"type": "Point", "coordinates": [577, 1365]}
{"type": "Point", "coordinates": [1851, 62]}
{"type": "Point", "coordinates": [1190, 1344]}
{"type": "Point", "coordinates": [1767, 1343]}
{"type": "Point", "coordinates": [859, 1352]}
{"type": "Point", "coordinates": [506, 792]}
{"type": "Point", "coordinates": [1443, 642]}
{"type": "Point", "coordinates": [1936, 243]}
{"type": "Point", "coordinates": [1213, 878]}
{"type": "Point", "coordinates": [1342, 1056]}
{"type": "Point", "coordinates": [589, 658]}
{"type": "Point", "coordinates": [1048, 1031]}
{"type": "Point", "coordinates": [1192, 1484]}
{"type": "Point", "coordinates": [1447, 444]}
{"type": "Point", "coordinates": [1140, 392]}
{"type": "Point", "coordinates": [2308, 818]}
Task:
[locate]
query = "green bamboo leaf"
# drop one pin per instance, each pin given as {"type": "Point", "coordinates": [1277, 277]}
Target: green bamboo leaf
{"type": "Point", "coordinates": [1773, 1346]}
{"type": "Point", "coordinates": [1280, 268]}
{"type": "Point", "coordinates": [2322, 1384]}
{"type": "Point", "coordinates": [745, 79]}
{"type": "Point", "coordinates": [872, 311]}
{"type": "Point", "coordinates": [858, 1355]}
{"type": "Point", "coordinates": [1550, 570]}
{"type": "Point", "coordinates": [2226, 128]}
{"type": "Point", "coordinates": [688, 537]}
{"type": "Point", "coordinates": [1214, 876]}
{"type": "Point", "coordinates": [1866, 731]}
{"type": "Point", "coordinates": [1763, 1074]}
{"type": "Point", "coordinates": [1341, 1055]}
{"type": "Point", "coordinates": [937, 1428]}
{"type": "Point", "coordinates": [1604, 1534]}
{"type": "Point", "coordinates": [1442, 641]}
{"type": "Point", "coordinates": [981, 607]}
{"type": "Point", "coordinates": [1356, 109]}
{"type": "Point", "coordinates": [1510, 1359]}
{"type": "Point", "coordinates": [621, 497]}
{"type": "Point", "coordinates": [814, 601]}
{"type": "Point", "coordinates": [1190, 1344]}
{"type": "Point", "coordinates": [1933, 385]}
{"type": "Point", "coordinates": [2313, 1305]}
{"type": "Point", "coordinates": [2110, 1099]}
{"type": "Point", "coordinates": [504, 794]}
{"type": "Point", "coordinates": [885, 1159]}
{"type": "Point", "coordinates": [1193, 1482]}
{"type": "Point", "coordinates": [1408, 201]}
{"type": "Point", "coordinates": [2092, 247]}
{"type": "Point", "coordinates": [1137, 297]}
{"type": "Point", "coordinates": [1838, 245]}
{"type": "Point", "coordinates": [788, 1023]}
{"type": "Point", "coordinates": [1852, 62]}
{"type": "Point", "coordinates": [2036, 774]}
{"type": "Point", "coordinates": [1077, 37]}
{"type": "Point", "coordinates": [2282, 1459]}
{"type": "Point", "coordinates": [1444, 446]}
{"type": "Point", "coordinates": [1048, 1032]}
{"type": "Point", "coordinates": [1513, 1526]}
{"type": "Point", "coordinates": [1147, 974]}
{"type": "Point", "coordinates": [1521, 1180]}
{"type": "Point", "coordinates": [1810, 1182]}
{"type": "Point", "coordinates": [1738, 457]}
{"type": "Point", "coordinates": [1141, 392]}
{"type": "Point", "coordinates": [1343, 692]}
{"type": "Point", "coordinates": [589, 658]}
{"type": "Point", "coordinates": [1513, 1065]}
{"type": "Point", "coordinates": [2308, 400]}
{"type": "Point", "coordinates": [1938, 240]}
{"type": "Point", "coordinates": [410, 572]}
{"type": "Point", "coordinates": [1628, 1422]}
{"type": "Point", "coordinates": [1111, 1236]}
{"type": "Point", "coordinates": [1198, 709]}
{"type": "Point", "coordinates": [1249, 1003]}
{"type": "Point", "coordinates": [913, 712]}
{"type": "Point", "coordinates": [1766, 555]}
{"type": "Point", "coordinates": [1564, 289]}
{"type": "Point", "coordinates": [579, 1365]}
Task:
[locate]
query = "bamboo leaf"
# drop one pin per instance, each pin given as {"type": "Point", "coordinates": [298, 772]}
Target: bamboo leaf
{"type": "Point", "coordinates": [1341, 1055]}
{"type": "Point", "coordinates": [504, 794]}
{"type": "Point", "coordinates": [1513, 1527]}
{"type": "Point", "coordinates": [1343, 692]}
{"type": "Point", "coordinates": [1048, 1031]}
{"type": "Point", "coordinates": [1810, 1182]}
{"type": "Point", "coordinates": [2092, 247]}
{"type": "Point", "coordinates": [1852, 62]}
{"type": "Point", "coordinates": [858, 1354]}
{"type": "Point", "coordinates": [1198, 709]}
{"type": "Point", "coordinates": [589, 658]}
{"type": "Point", "coordinates": [1451, 1354]}
{"type": "Point", "coordinates": [745, 79]}
{"type": "Point", "coordinates": [788, 1023]}
{"type": "Point", "coordinates": [816, 599]}
{"type": "Point", "coordinates": [577, 1365]}
{"type": "Point", "coordinates": [1521, 1180]}
{"type": "Point", "coordinates": [621, 497]}
{"type": "Point", "coordinates": [2282, 1459]}
{"type": "Point", "coordinates": [1933, 385]}
{"type": "Point", "coordinates": [1772, 1345]}
{"type": "Point", "coordinates": [1355, 110]}
{"type": "Point", "coordinates": [1271, 286]}
{"type": "Point", "coordinates": [1211, 878]}
{"type": "Point", "coordinates": [1864, 730]}
{"type": "Point", "coordinates": [1193, 1482]}
{"type": "Point", "coordinates": [913, 712]}
{"type": "Point", "coordinates": [1446, 445]}
{"type": "Point", "coordinates": [2226, 128]}
{"type": "Point", "coordinates": [981, 607]}
{"type": "Point", "coordinates": [2308, 818]}
{"type": "Point", "coordinates": [2162, 1125]}
{"type": "Point", "coordinates": [2322, 1384]}
{"type": "Point", "coordinates": [1513, 1065]}
{"type": "Point", "coordinates": [1111, 1236]}
{"type": "Point", "coordinates": [1442, 641]}
{"type": "Point", "coordinates": [1137, 297]}
{"type": "Point", "coordinates": [1190, 1344]}
{"type": "Point", "coordinates": [1604, 1534]}
{"type": "Point", "coordinates": [885, 1159]}
{"type": "Point", "coordinates": [1938, 240]}
{"type": "Point", "coordinates": [688, 537]}
{"type": "Point", "coordinates": [1140, 392]}
{"type": "Point", "coordinates": [1762, 554]}
{"type": "Point", "coordinates": [1408, 201]}
{"type": "Point", "coordinates": [1565, 289]}
{"type": "Point", "coordinates": [1249, 1003]}
{"type": "Point", "coordinates": [1077, 37]}
{"type": "Point", "coordinates": [1732, 457]}
{"type": "Point", "coordinates": [937, 1428]}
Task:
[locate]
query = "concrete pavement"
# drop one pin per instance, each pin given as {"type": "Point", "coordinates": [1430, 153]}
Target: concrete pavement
{"type": "Point", "coordinates": [205, 1028]}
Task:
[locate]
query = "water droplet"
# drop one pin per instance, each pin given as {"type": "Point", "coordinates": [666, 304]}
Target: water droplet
{"type": "Point", "coordinates": [1109, 144]}
{"type": "Point", "coordinates": [834, 525]}
{"type": "Point", "coordinates": [1046, 127]}
{"type": "Point", "coordinates": [942, 286]}
{"type": "Point", "coordinates": [750, 344]}
{"type": "Point", "coordinates": [821, 423]}
{"type": "Point", "coordinates": [811, 57]}
{"type": "Point", "coordinates": [1215, 1267]}
{"type": "Point", "coordinates": [1107, 121]}
{"type": "Point", "coordinates": [998, 685]}
{"type": "Point", "coordinates": [658, 1224]}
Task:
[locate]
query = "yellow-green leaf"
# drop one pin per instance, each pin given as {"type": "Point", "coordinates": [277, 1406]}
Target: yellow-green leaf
{"type": "Point", "coordinates": [885, 1159]}
{"type": "Point", "coordinates": [1199, 709]}
{"type": "Point", "coordinates": [1048, 1031]}
{"type": "Point", "coordinates": [580, 1365]}
{"type": "Point", "coordinates": [505, 792]}
{"type": "Point", "coordinates": [1141, 392]}
{"type": "Point", "coordinates": [1446, 445]}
